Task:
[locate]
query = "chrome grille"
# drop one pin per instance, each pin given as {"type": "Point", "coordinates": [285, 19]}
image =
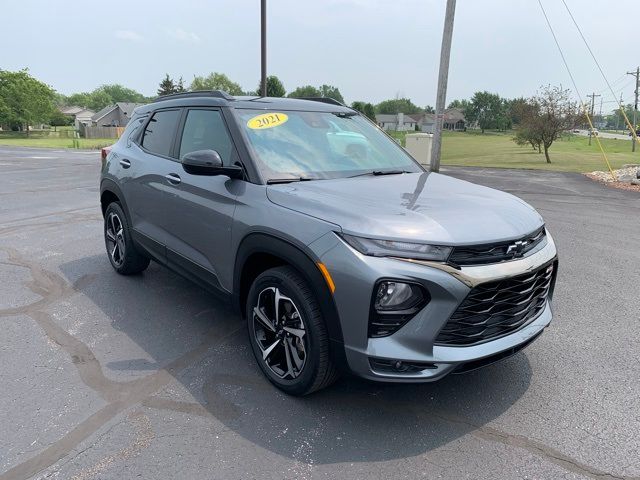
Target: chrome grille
{"type": "Point", "coordinates": [496, 252]}
{"type": "Point", "coordinates": [495, 309]}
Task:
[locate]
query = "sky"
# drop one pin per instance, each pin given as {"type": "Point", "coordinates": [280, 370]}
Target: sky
{"type": "Point", "coordinates": [371, 49]}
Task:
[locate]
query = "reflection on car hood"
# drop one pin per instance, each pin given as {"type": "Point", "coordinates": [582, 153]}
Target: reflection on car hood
{"type": "Point", "coordinates": [423, 207]}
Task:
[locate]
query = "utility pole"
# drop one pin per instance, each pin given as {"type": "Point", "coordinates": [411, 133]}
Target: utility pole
{"type": "Point", "coordinates": [600, 111]}
{"type": "Point", "coordinates": [263, 48]}
{"type": "Point", "coordinates": [635, 107]}
{"type": "Point", "coordinates": [443, 76]}
{"type": "Point", "coordinates": [593, 100]}
{"type": "Point", "coordinates": [618, 114]}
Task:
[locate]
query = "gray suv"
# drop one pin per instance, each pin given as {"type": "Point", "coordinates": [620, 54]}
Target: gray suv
{"type": "Point", "coordinates": [339, 249]}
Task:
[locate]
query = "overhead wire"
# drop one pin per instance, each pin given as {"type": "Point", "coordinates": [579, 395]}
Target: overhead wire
{"type": "Point", "coordinates": [631, 128]}
{"type": "Point", "coordinates": [575, 86]}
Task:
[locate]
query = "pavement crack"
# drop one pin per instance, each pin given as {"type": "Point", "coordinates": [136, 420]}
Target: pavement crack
{"type": "Point", "coordinates": [488, 433]}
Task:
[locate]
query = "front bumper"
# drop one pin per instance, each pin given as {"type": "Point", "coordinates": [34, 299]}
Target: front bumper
{"type": "Point", "coordinates": [355, 275]}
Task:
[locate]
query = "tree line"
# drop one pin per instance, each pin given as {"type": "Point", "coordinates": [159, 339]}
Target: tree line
{"type": "Point", "coordinates": [275, 88]}
{"type": "Point", "coordinates": [538, 121]}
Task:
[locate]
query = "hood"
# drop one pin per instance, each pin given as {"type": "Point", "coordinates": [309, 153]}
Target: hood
{"type": "Point", "coordinates": [418, 207]}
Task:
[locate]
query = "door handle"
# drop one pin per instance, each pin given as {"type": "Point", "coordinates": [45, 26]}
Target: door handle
{"type": "Point", "coordinates": [124, 163]}
{"type": "Point", "coordinates": [173, 178]}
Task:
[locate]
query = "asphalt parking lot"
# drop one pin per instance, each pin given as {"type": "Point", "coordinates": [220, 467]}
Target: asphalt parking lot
{"type": "Point", "coordinates": [108, 377]}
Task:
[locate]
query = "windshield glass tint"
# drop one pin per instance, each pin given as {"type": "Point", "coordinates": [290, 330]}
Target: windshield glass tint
{"type": "Point", "coordinates": [290, 144]}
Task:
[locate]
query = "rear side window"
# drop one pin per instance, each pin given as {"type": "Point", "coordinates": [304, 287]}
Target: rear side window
{"type": "Point", "coordinates": [205, 130]}
{"type": "Point", "coordinates": [159, 133]}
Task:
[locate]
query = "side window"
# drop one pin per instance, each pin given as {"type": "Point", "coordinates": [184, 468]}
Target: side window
{"type": "Point", "coordinates": [131, 132]}
{"type": "Point", "coordinates": [160, 130]}
{"type": "Point", "coordinates": [205, 130]}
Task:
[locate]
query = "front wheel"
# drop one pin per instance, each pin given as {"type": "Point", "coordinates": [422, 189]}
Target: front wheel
{"type": "Point", "coordinates": [287, 332]}
{"type": "Point", "coordinates": [123, 255]}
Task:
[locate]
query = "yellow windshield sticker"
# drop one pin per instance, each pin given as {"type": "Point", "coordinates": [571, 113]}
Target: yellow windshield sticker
{"type": "Point", "coordinates": [267, 120]}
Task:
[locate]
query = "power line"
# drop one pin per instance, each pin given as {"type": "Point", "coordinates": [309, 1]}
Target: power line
{"type": "Point", "coordinates": [633, 129]}
{"type": "Point", "coordinates": [564, 60]}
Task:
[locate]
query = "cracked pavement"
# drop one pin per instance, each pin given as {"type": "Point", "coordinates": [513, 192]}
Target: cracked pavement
{"type": "Point", "coordinates": [108, 377]}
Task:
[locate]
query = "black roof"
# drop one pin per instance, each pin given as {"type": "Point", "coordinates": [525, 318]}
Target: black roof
{"type": "Point", "coordinates": [219, 98]}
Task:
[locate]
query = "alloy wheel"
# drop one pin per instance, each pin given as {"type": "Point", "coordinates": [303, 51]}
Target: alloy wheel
{"type": "Point", "coordinates": [280, 333]}
{"type": "Point", "coordinates": [115, 239]}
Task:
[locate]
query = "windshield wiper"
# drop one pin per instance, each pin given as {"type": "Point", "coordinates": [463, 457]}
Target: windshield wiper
{"type": "Point", "coordinates": [273, 181]}
{"type": "Point", "coordinates": [380, 172]}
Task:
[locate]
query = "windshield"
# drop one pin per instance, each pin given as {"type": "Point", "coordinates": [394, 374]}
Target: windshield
{"type": "Point", "coordinates": [320, 145]}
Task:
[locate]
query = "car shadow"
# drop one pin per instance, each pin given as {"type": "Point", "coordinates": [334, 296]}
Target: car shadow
{"type": "Point", "coordinates": [351, 421]}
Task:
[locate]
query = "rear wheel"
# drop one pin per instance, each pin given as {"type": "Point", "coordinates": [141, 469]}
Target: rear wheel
{"type": "Point", "coordinates": [124, 257]}
{"type": "Point", "coordinates": [287, 332]}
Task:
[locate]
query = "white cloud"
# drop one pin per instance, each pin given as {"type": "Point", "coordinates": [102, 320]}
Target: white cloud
{"type": "Point", "coordinates": [183, 36]}
{"type": "Point", "coordinates": [128, 35]}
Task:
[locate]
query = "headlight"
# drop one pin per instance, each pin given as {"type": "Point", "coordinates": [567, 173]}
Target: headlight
{"type": "Point", "coordinates": [390, 248]}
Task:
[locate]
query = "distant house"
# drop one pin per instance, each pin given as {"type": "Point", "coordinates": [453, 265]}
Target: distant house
{"type": "Point", "coordinates": [117, 115]}
{"type": "Point", "coordinates": [397, 122]}
{"type": "Point", "coordinates": [453, 120]}
{"type": "Point", "coordinates": [81, 116]}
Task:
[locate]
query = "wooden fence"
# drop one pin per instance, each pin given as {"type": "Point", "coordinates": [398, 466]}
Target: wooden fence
{"type": "Point", "coordinates": [101, 132]}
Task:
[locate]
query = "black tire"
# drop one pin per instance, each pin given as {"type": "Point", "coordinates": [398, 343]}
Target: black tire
{"type": "Point", "coordinates": [131, 261]}
{"type": "Point", "coordinates": [318, 370]}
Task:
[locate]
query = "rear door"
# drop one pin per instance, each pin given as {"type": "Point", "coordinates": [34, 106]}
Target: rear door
{"type": "Point", "coordinates": [149, 182]}
{"type": "Point", "coordinates": [202, 206]}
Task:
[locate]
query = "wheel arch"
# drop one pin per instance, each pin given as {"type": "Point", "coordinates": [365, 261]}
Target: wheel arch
{"type": "Point", "coordinates": [260, 251]}
{"type": "Point", "coordinates": [110, 192]}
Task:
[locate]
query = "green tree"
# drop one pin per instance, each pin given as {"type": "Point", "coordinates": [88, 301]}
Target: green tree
{"type": "Point", "coordinates": [308, 91]}
{"type": "Point", "coordinates": [486, 109]}
{"type": "Point", "coordinates": [517, 109]}
{"type": "Point", "coordinates": [329, 91]}
{"type": "Point", "coordinates": [167, 86]}
{"type": "Point", "coordinates": [180, 88]}
{"type": "Point", "coordinates": [79, 99]}
{"type": "Point", "coordinates": [105, 95]}
{"type": "Point", "coordinates": [275, 88]}
{"type": "Point", "coordinates": [98, 99]}
{"type": "Point", "coordinates": [25, 100]}
{"type": "Point", "coordinates": [120, 93]}
{"type": "Point", "coordinates": [358, 105]}
{"type": "Point", "coordinates": [397, 105]}
{"type": "Point", "coordinates": [370, 111]}
{"type": "Point", "coordinates": [365, 108]}
{"type": "Point", "coordinates": [216, 81]}
{"type": "Point", "coordinates": [59, 119]}
{"type": "Point", "coordinates": [429, 109]}
{"type": "Point", "coordinates": [461, 104]}
{"type": "Point", "coordinates": [548, 116]}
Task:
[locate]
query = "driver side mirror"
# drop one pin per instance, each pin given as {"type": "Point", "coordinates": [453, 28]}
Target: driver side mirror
{"type": "Point", "coordinates": [208, 162]}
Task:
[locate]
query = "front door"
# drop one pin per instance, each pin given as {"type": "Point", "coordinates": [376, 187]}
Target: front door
{"type": "Point", "coordinates": [202, 206]}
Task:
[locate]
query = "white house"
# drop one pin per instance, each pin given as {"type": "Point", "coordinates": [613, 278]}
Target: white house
{"type": "Point", "coordinates": [398, 122]}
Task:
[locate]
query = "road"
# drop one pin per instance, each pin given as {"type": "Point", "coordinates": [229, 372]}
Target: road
{"type": "Point", "coordinates": [585, 133]}
{"type": "Point", "coordinates": [148, 377]}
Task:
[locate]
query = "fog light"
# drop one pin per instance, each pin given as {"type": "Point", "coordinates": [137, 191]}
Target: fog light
{"type": "Point", "coordinates": [393, 304]}
{"type": "Point", "coordinates": [396, 296]}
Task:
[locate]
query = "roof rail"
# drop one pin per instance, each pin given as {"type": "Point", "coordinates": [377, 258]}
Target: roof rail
{"type": "Point", "coordinates": [329, 100]}
{"type": "Point", "coordinates": [196, 93]}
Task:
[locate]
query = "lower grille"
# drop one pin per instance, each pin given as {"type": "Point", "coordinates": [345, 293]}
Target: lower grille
{"type": "Point", "coordinates": [495, 309]}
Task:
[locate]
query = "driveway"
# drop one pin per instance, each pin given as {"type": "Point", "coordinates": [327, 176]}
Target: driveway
{"type": "Point", "coordinates": [149, 377]}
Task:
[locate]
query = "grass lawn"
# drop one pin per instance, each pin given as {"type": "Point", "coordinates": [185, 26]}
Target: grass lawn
{"type": "Point", "coordinates": [39, 140]}
{"type": "Point", "coordinates": [571, 154]}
